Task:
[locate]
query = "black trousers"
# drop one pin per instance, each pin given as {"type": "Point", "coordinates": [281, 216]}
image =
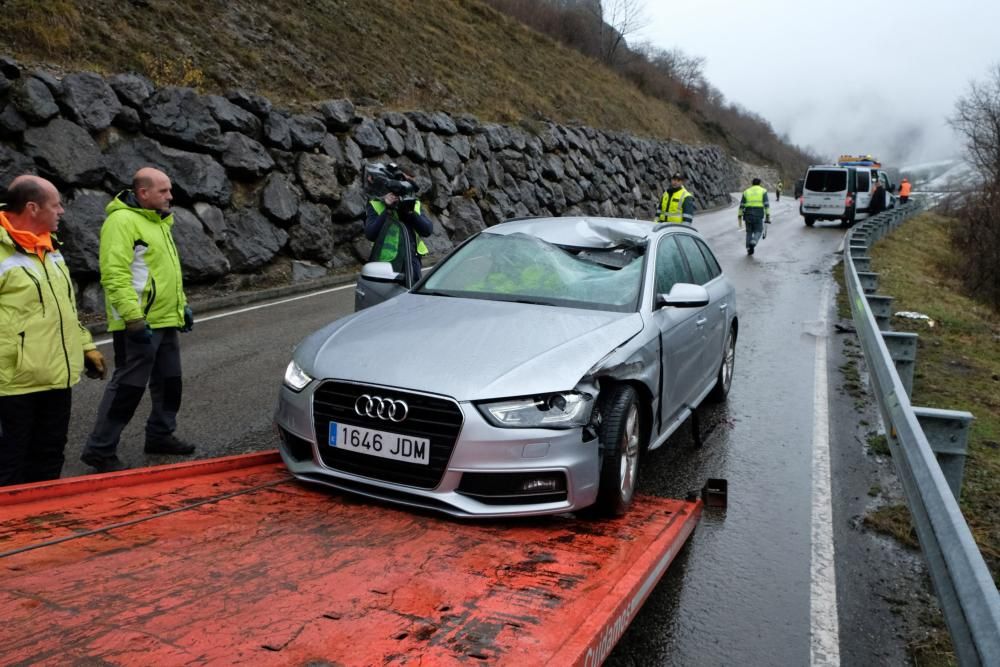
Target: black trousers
{"type": "Point", "coordinates": [33, 435]}
{"type": "Point", "coordinates": [158, 364]}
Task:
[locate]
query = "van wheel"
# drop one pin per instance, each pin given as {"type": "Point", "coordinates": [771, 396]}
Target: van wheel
{"type": "Point", "coordinates": [810, 221]}
{"type": "Point", "coordinates": [724, 380]}
{"type": "Point", "coordinates": [621, 434]}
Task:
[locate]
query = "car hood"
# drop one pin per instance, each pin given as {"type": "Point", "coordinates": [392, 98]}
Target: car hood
{"type": "Point", "coordinates": [469, 349]}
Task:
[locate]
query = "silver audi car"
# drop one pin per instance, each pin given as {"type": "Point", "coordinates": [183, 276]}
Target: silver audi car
{"type": "Point", "coordinates": [528, 373]}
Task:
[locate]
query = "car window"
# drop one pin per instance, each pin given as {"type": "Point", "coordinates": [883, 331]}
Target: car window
{"type": "Point", "coordinates": [670, 267]}
{"type": "Point", "coordinates": [826, 180]}
{"type": "Point", "coordinates": [863, 183]}
{"type": "Point", "coordinates": [700, 272]}
{"type": "Point", "coordinates": [713, 265]}
{"type": "Point", "coordinates": [523, 268]}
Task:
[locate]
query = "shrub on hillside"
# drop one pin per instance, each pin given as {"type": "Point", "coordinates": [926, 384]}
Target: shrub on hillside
{"type": "Point", "coordinates": [977, 238]}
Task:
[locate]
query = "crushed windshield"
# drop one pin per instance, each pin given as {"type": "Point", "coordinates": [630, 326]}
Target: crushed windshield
{"type": "Point", "coordinates": [523, 268]}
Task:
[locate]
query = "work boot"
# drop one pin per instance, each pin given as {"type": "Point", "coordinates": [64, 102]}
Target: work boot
{"type": "Point", "coordinates": [168, 445]}
{"type": "Point", "coordinates": [103, 463]}
{"type": "Point", "coordinates": [749, 249]}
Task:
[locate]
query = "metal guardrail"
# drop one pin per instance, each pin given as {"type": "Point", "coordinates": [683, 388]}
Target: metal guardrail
{"type": "Point", "coordinates": [964, 587]}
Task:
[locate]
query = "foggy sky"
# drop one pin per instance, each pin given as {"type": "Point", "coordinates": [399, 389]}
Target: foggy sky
{"type": "Point", "coordinates": [887, 89]}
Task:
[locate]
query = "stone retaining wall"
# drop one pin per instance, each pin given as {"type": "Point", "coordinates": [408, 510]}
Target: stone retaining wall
{"type": "Point", "coordinates": [253, 182]}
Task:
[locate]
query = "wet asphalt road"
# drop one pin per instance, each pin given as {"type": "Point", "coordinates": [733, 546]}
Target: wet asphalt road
{"type": "Point", "coordinates": [739, 593]}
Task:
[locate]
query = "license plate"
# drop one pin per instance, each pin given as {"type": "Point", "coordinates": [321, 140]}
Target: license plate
{"type": "Point", "coordinates": [383, 444]}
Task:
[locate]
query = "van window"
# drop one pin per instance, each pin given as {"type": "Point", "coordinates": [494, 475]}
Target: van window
{"type": "Point", "coordinates": [863, 184]}
{"type": "Point", "coordinates": [826, 180]}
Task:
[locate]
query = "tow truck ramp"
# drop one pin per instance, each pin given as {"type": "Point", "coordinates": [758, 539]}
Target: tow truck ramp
{"type": "Point", "coordinates": [231, 561]}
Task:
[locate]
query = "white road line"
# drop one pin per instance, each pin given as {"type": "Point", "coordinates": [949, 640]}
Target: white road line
{"type": "Point", "coordinates": [105, 341]}
{"type": "Point", "coordinates": [823, 620]}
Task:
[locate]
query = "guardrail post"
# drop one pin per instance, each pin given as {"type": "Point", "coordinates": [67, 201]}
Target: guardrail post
{"type": "Point", "coordinates": [947, 433]}
{"type": "Point", "coordinates": [881, 306]}
{"type": "Point", "coordinates": [869, 281]}
{"type": "Point", "coordinates": [903, 350]}
{"type": "Point", "coordinates": [862, 263]}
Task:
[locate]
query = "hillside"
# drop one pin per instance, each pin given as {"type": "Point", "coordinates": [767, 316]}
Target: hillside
{"type": "Point", "coordinates": [451, 55]}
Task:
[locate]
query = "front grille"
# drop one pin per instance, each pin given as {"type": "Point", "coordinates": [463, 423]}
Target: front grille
{"type": "Point", "coordinates": [437, 419]}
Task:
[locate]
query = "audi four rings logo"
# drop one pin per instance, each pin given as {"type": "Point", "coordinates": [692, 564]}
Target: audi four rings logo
{"type": "Point", "coordinates": [376, 407]}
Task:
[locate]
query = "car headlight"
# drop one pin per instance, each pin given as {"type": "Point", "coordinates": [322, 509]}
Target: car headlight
{"type": "Point", "coordinates": [295, 378]}
{"type": "Point", "coordinates": [561, 410]}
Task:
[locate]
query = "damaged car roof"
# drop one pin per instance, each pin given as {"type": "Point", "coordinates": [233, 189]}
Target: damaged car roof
{"type": "Point", "coordinates": [580, 231]}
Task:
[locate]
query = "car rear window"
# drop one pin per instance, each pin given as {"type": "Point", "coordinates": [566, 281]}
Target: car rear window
{"type": "Point", "coordinates": [826, 180]}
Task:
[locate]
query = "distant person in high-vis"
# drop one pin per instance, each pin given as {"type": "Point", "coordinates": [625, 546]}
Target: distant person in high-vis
{"type": "Point", "coordinates": [43, 346]}
{"type": "Point", "coordinates": [755, 212]}
{"type": "Point", "coordinates": [676, 204]}
{"type": "Point", "coordinates": [777, 191]}
{"type": "Point", "coordinates": [904, 191]}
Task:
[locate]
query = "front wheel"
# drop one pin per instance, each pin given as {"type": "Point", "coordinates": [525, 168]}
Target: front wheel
{"type": "Point", "coordinates": [810, 221]}
{"type": "Point", "coordinates": [621, 434]}
{"type": "Point", "coordinates": [724, 380]}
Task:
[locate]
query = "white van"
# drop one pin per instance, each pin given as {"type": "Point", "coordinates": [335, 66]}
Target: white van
{"type": "Point", "coordinates": [835, 192]}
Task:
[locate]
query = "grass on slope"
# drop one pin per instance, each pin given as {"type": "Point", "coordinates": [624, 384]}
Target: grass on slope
{"type": "Point", "coordinates": [958, 360]}
{"type": "Point", "coordinates": [453, 55]}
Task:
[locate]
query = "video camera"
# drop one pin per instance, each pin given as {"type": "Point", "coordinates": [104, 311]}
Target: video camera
{"type": "Point", "coordinates": [382, 179]}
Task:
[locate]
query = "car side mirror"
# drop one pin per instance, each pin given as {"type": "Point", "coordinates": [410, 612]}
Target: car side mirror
{"type": "Point", "coordinates": [683, 295]}
{"type": "Point", "coordinates": [382, 272]}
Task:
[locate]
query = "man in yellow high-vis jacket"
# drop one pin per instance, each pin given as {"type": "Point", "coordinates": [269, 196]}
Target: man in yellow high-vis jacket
{"type": "Point", "coordinates": [756, 212]}
{"type": "Point", "coordinates": [43, 346]}
{"type": "Point", "coordinates": [676, 204]}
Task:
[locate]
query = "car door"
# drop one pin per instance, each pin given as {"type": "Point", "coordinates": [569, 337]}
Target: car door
{"type": "Point", "coordinates": [705, 271]}
{"type": "Point", "coordinates": [680, 335]}
{"type": "Point", "coordinates": [864, 195]}
{"type": "Point", "coordinates": [371, 292]}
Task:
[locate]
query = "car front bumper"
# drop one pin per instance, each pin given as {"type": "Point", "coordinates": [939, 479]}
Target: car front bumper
{"type": "Point", "coordinates": [483, 462]}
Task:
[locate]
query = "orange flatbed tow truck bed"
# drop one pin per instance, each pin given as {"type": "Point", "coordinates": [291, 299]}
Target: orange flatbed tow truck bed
{"type": "Point", "coordinates": [231, 561]}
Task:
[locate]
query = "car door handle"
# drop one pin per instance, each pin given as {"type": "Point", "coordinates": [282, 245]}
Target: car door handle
{"type": "Point", "coordinates": [701, 322]}
{"type": "Point", "coordinates": [723, 306]}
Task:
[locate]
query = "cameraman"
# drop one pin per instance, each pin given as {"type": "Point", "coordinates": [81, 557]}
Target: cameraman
{"type": "Point", "coordinates": [400, 214]}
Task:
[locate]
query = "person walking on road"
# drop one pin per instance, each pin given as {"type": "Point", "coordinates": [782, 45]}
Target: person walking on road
{"type": "Point", "coordinates": [676, 204]}
{"type": "Point", "coordinates": [777, 191]}
{"type": "Point", "coordinates": [43, 346]}
{"type": "Point", "coordinates": [756, 212]}
{"type": "Point", "coordinates": [146, 305]}
{"type": "Point", "coordinates": [904, 191]}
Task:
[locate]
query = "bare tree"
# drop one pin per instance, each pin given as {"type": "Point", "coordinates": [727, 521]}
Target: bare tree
{"type": "Point", "coordinates": [617, 19]}
{"type": "Point", "coordinates": [977, 119]}
{"type": "Point", "coordinates": [689, 71]}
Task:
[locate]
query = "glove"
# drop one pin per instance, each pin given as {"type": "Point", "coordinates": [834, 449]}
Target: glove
{"type": "Point", "coordinates": [767, 220]}
{"type": "Point", "coordinates": [94, 362]}
{"type": "Point", "coordinates": [188, 320]}
{"type": "Point", "coordinates": [139, 331]}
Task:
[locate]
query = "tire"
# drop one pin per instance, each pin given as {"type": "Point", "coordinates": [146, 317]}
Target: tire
{"type": "Point", "coordinates": [810, 221]}
{"type": "Point", "coordinates": [621, 434]}
{"type": "Point", "coordinates": [724, 380]}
